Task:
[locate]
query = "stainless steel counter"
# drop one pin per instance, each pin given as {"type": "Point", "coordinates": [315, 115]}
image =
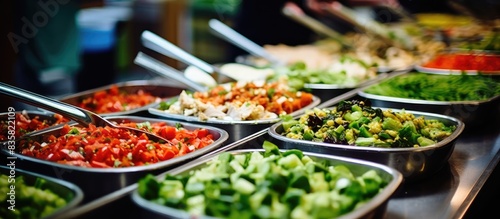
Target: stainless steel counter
{"type": "Point", "coordinates": [450, 192]}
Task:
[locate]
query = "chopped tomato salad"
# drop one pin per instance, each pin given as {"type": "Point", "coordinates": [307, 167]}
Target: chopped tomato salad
{"type": "Point", "coordinates": [24, 124]}
{"type": "Point", "coordinates": [114, 100]}
{"type": "Point", "coordinates": [107, 147]}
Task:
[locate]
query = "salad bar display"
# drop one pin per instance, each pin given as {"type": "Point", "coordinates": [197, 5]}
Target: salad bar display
{"type": "Point", "coordinates": [371, 130]}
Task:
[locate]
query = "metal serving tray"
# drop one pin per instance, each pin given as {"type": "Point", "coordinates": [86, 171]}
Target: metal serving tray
{"type": "Point", "coordinates": [440, 71]}
{"type": "Point", "coordinates": [43, 115]}
{"type": "Point", "coordinates": [414, 163]}
{"type": "Point", "coordinates": [236, 129]}
{"type": "Point", "coordinates": [472, 113]}
{"type": "Point", "coordinates": [66, 190]}
{"type": "Point", "coordinates": [375, 208]}
{"type": "Point", "coordinates": [96, 182]}
{"type": "Point", "coordinates": [156, 87]}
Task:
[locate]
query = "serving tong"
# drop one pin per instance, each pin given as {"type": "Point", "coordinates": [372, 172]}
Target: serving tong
{"type": "Point", "coordinates": [81, 116]}
{"type": "Point", "coordinates": [230, 35]}
{"type": "Point", "coordinates": [295, 13]}
{"type": "Point", "coordinates": [223, 74]}
{"type": "Point", "coordinates": [166, 71]}
{"type": "Point", "coordinates": [162, 46]}
{"type": "Point", "coordinates": [369, 25]}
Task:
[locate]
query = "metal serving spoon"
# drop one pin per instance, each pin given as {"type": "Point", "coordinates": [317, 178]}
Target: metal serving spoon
{"type": "Point", "coordinates": [166, 71]}
{"type": "Point", "coordinates": [225, 32]}
{"type": "Point", "coordinates": [295, 13]}
{"type": "Point", "coordinates": [162, 46]}
{"type": "Point", "coordinates": [369, 25]}
{"type": "Point", "coordinates": [221, 75]}
{"type": "Point", "coordinates": [77, 114]}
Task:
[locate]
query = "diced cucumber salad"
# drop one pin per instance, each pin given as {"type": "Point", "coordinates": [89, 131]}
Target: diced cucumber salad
{"type": "Point", "coordinates": [31, 201]}
{"type": "Point", "coordinates": [357, 123]}
{"type": "Point", "coordinates": [270, 184]}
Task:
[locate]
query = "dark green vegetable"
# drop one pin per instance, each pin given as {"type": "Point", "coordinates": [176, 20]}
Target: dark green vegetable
{"type": "Point", "coordinates": [356, 123]}
{"type": "Point", "coordinates": [272, 184]}
{"type": "Point", "coordinates": [438, 87]}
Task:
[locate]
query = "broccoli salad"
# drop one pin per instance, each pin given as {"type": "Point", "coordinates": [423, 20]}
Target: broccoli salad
{"type": "Point", "coordinates": [357, 123]}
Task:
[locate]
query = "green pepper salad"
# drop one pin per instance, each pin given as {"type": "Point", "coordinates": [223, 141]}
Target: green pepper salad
{"type": "Point", "coordinates": [270, 184]}
{"type": "Point", "coordinates": [357, 123]}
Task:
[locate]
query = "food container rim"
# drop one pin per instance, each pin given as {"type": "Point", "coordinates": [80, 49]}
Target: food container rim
{"type": "Point", "coordinates": [459, 128]}
{"type": "Point", "coordinates": [155, 111]}
{"type": "Point", "coordinates": [378, 200]}
{"type": "Point", "coordinates": [378, 77]}
{"type": "Point", "coordinates": [440, 71]}
{"type": "Point", "coordinates": [217, 143]}
{"type": "Point", "coordinates": [469, 51]}
{"type": "Point", "coordinates": [153, 83]}
{"type": "Point", "coordinates": [362, 93]}
{"type": "Point", "coordinates": [421, 68]}
{"type": "Point", "coordinates": [75, 201]}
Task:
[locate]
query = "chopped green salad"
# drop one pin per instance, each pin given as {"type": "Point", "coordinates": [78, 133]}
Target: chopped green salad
{"type": "Point", "coordinates": [30, 201]}
{"type": "Point", "coordinates": [270, 184]}
{"type": "Point", "coordinates": [357, 123]}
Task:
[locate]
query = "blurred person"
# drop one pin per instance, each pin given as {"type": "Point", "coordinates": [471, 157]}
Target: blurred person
{"type": "Point", "coordinates": [263, 22]}
{"type": "Point", "coordinates": [46, 39]}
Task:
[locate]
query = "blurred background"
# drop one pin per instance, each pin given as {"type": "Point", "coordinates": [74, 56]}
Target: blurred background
{"type": "Point", "coordinates": [97, 40]}
{"type": "Point", "coordinates": [106, 37]}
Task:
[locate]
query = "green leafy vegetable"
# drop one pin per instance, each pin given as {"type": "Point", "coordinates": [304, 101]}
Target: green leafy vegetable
{"type": "Point", "coordinates": [438, 87]}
